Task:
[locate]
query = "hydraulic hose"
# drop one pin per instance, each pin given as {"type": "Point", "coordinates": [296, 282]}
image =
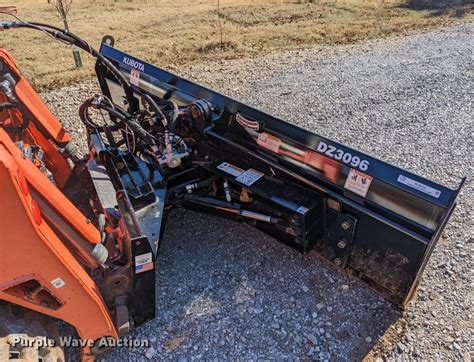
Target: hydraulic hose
{"type": "Point", "coordinates": [68, 37]}
{"type": "Point", "coordinates": [26, 120]}
{"type": "Point", "coordinates": [113, 112]}
{"type": "Point", "coordinates": [7, 105]}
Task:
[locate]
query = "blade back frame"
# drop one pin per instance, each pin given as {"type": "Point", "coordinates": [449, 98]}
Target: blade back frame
{"type": "Point", "coordinates": [382, 234]}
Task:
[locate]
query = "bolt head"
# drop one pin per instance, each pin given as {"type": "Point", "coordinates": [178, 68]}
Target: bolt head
{"type": "Point", "coordinates": [345, 225]}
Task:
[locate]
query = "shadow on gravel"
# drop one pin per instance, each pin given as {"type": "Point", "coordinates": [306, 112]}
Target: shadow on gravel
{"type": "Point", "coordinates": [454, 8]}
{"type": "Point", "coordinates": [226, 290]}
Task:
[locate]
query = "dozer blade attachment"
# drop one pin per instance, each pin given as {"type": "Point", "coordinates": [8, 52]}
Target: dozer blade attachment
{"type": "Point", "coordinates": [376, 221]}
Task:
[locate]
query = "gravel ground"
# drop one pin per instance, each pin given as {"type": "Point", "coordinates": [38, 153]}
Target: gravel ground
{"type": "Point", "coordinates": [226, 290]}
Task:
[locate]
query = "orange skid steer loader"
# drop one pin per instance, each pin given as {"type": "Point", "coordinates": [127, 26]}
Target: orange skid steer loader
{"type": "Point", "coordinates": [80, 234]}
{"type": "Point", "coordinates": [47, 244]}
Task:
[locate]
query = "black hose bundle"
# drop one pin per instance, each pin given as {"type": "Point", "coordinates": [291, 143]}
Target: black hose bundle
{"type": "Point", "coordinates": [26, 120]}
{"type": "Point", "coordinates": [72, 39]}
{"type": "Point", "coordinates": [7, 105]}
{"type": "Point", "coordinates": [102, 103]}
{"type": "Point", "coordinates": [130, 118]}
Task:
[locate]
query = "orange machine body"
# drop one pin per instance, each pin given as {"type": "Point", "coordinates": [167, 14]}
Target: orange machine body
{"type": "Point", "coordinates": [46, 242]}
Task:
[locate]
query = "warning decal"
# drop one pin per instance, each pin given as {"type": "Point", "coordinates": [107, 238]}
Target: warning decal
{"type": "Point", "coordinates": [58, 283]}
{"type": "Point", "coordinates": [135, 77]}
{"type": "Point", "coordinates": [249, 177]}
{"type": "Point", "coordinates": [268, 141]}
{"type": "Point", "coordinates": [358, 182]}
{"type": "Point", "coordinates": [247, 123]}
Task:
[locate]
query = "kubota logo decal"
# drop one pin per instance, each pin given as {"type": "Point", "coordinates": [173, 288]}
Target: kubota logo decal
{"type": "Point", "coordinates": [133, 64]}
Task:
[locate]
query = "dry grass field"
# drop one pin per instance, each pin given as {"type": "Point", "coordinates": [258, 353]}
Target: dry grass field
{"type": "Point", "coordinates": [173, 33]}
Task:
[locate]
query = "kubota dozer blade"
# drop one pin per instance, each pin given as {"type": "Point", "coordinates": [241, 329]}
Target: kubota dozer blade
{"type": "Point", "coordinates": [376, 221]}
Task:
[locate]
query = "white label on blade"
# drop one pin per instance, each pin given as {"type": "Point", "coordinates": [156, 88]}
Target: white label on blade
{"type": "Point", "coordinates": [135, 77]}
{"type": "Point", "coordinates": [230, 169]}
{"type": "Point", "coordinates": [249, 177]}
{"type": "Point", "coordinates": [302, 210]}
{"type": "Point", "coordinates": [358, 182]}
{"type": "Point", "coordinates": [58, 283]}
{"type": "Point", "coordinates": [419, 186]}
{"type": "Point", "coordinates": [143, 259]}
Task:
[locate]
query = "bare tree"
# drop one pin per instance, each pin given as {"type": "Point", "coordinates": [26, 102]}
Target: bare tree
{"type": "Point", "coordinates": [63, 7]}
{"type": "Point", "coordinates": [220, 23]}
